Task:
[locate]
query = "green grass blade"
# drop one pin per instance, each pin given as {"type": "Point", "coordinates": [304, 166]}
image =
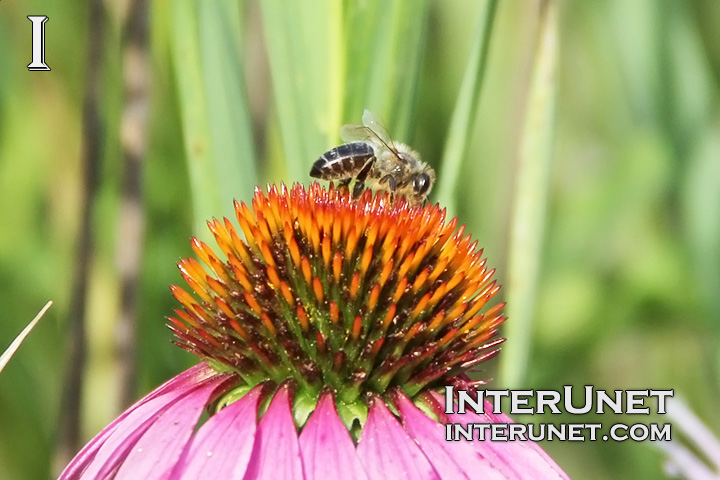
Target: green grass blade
{"type": "Point", "coordinates": [15, 344]}
{"type": "Point", "coordinates": [465, 111]}
{"type": "Point", "coordinates": [531, 190]}
{"type": "Point", "coordinates": [233, 153]}
{"type": "Point", "coordinates": [385, 45]}
{"type": "Point", "coordinates": [215, 119]}
{"type": "Point", "coordinates": [330, 60]}
{"type": "Point", "coordinates": [304, 51]}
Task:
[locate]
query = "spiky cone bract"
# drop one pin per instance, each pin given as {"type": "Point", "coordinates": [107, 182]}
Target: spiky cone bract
{"type": "Point", "coordinates": [338, 318]}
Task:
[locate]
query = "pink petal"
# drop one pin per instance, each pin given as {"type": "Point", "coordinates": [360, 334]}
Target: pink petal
{"type": "Point", "coordinates": [222, 446]}
{"type": "Point", "coordinates": [158, 450]}
{"type": "Point", "coordinates": [452, 460]}
{"type": "Point", "coordinates": [326, 448]}
{"type": "Point", "coordinates": [276, 454]}
{"type": "Point", "coordinates": [133, 419]}
{"type": "Point", "coordinates": [387, 451]}
{"type": "Point", "coordinates": [516, 459]}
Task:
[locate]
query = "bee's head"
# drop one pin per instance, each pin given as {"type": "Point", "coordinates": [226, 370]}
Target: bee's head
{"type": "Point", "coordinates": [422, 183]}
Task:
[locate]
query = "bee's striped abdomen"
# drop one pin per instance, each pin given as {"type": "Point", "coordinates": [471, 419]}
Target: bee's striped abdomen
{"type": "Point", "coordinates": [342, 162]}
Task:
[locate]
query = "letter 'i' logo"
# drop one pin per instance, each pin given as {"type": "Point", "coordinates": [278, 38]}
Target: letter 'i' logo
{"type": "Point", "coordinates": [38, 43]}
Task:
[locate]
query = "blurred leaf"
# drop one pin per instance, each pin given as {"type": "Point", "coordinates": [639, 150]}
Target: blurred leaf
{"type": "Point", "coordinates": [216, 125]}
{"type": "Point", "coordinates": [530, 197]}
{"type": "Point", "coordinates": [465, 111]}
{"type": "Point", "coordinates": [707, 18]}
{"type": "Point", "coordinates": [304, 42]}
{"type": "Point", "coordinates": [701, 202]}
{"type": "Point", "coordinates": [385, 48]}
{"type": "Point", "coordinates": [330, 60]}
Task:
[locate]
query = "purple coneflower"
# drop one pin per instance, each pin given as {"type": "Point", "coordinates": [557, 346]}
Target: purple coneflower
{"type": "Point", "coordinates": [325, 336]}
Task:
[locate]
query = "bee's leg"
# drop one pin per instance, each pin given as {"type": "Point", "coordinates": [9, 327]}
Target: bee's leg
{"type": "Point", "coordinates": [360, 178]}
{"type": "Point", "coordinates": [390, 180]}
{"type": "Point", "coordinates": [392, 185]}
{"type": "Point", "coordinates": [343, 185]}
{"type": "Point", "coordinates": [358, 189]}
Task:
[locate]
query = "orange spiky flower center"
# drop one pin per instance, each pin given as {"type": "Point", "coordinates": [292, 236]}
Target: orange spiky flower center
{"type": "Point", "coordinates": [356, 295]}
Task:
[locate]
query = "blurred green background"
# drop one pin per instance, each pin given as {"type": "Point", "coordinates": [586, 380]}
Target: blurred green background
{"type": "Point", "coordinates": [579, 142]}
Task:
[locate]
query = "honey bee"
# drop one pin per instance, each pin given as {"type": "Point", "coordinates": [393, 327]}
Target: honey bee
{"type": "Point", "coordinates": [370, 155]}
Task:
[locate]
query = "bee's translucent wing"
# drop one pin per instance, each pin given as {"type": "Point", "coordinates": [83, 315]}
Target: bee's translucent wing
{"type": "Point", "coordinates": [371, 131]}
{"type": "Point", "coordinates": [370, 122]}
{"type": "Point", "coordinates": [357, 133]}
